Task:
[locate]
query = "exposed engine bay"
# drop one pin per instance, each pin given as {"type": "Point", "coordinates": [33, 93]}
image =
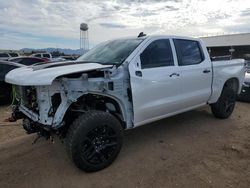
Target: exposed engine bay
{"type": "Point", "coordinates": [55, 106]}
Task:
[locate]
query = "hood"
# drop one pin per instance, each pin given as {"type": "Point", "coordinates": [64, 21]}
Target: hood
{"type": "Point", "coordinates": [44, 74]}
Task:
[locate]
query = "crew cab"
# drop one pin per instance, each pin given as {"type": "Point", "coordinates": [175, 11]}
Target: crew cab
{"type": "Point", "coordinates": [118, 85]}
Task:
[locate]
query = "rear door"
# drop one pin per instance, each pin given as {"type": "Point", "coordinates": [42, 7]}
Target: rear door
{"type": "Point", "coordinates": [155, 81]}
{"type": "Point", "coordinates": [46, 55]}
{"type": "Point", "coordinates": [196, 72]}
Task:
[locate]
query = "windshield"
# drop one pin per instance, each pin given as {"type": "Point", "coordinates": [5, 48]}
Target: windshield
{"type": "Point", "coordinates": [111, 52]}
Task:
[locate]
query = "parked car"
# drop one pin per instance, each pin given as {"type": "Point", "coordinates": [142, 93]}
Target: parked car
{"type": "Point", "coordinates": [245, 92]}
{"type": "Point", "coordinates": [119, 85]}
{"type": "Point", "coordinates": [42, 55]}
{"type": "Point", "coordinates": [5, 56]}
{"type": "Point", "coordinates": [28, 60]}
{"type": "Point", "coordinates": [5, 91]}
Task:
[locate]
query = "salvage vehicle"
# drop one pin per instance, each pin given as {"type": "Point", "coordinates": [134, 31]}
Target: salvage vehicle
{"type": "Point", "coordinates": [245, 92]}
{"type": "Point", "coordinates": [118, 85]}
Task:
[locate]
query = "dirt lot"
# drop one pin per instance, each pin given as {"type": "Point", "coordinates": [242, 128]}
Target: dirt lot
{"type": "Point", "coordinates": [189, 150]}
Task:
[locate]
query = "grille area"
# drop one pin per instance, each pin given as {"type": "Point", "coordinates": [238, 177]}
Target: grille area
{"type": "Point", "coordinates": [28, 97]}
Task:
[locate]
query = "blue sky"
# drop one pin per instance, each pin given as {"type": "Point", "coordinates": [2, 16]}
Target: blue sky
{"type": "Point", "coordinates": [55, 23]}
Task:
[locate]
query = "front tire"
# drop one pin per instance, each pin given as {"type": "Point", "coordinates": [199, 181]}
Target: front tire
{"type": "Point", "coordinates": [94, 140]}
{"type": "Point", "coordinates": [224, 107]}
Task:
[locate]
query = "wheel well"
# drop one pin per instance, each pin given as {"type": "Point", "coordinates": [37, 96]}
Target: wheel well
{"type": "Point", "coordinates": [92, 102]}
{"type": "Point", "coordinates": [232, 83]}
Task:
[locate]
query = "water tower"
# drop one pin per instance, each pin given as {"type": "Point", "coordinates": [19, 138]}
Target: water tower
{"type": "Point", "coordinates": [84, 37]}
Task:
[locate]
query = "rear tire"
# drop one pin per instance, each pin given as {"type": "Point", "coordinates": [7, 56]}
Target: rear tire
{"type": "Point", "coordinates": [224, 107]}
{"type": "Point", "coordinates": [94, 140]}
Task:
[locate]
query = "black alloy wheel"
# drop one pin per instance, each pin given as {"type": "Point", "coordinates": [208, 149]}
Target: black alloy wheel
{"type": "Point", "coordinates": [99, 145]}
{"type": "Point", "coordinates": [94, 140]}
{"type": "Point", "coordinates": [224, 107]}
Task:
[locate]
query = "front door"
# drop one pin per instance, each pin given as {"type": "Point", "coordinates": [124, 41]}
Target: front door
{"type": "Point", "coordinates": [155, 82]}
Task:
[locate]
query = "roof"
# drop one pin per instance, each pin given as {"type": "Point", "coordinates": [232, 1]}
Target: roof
{"type": "Point", "coordinates": [148, 37]}
{"type": "Point", "coordinates": [227, 40]}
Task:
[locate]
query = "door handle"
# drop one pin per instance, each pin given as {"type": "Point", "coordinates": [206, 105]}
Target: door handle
{"type": "Point", "coordinates": [174, 74]}
{"type": "Point", "coordinates": [138, 73]}
{"type": "Point", "coordinates": [206, 71]}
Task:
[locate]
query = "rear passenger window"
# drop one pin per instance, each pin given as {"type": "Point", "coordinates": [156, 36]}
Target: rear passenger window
{"type": "Point", "coordinates": [27, 61]}
{"type": "Point", "coordinates": [46, 55]}
{"type": "Point", "coordinates": [30, 61]}
{"type": "Point", "coordinates": [157, 54]}
{"type": "Point", "coordinates": [188, 52]}
{"type": "Point", "coordinates": [37, 55]}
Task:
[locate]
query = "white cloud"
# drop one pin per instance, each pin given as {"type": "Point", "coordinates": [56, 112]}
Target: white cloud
{"type": "Point", "coordinates": [15, 41]}
{"type": "Point", "coordinates": [116, 18]}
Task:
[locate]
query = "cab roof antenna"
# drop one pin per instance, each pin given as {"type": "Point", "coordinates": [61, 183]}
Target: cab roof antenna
{"type": "Point", "coordinates": [141, 34]}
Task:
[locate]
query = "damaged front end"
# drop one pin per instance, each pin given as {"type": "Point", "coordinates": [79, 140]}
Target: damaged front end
{"type": "Point", "coordinates": [44, 107]}
{"type": "Point", "coordinates": [31, 105]}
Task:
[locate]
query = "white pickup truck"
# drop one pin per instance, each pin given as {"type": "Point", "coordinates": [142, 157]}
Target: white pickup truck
{"type": "Point", "coordinates": [118, 85]}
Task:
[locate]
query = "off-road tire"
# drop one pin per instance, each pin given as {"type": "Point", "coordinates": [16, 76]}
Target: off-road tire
{"type": "Point", "coordinates": [94, 140]}
{"type": "Point", "coordinates": [224, 107]}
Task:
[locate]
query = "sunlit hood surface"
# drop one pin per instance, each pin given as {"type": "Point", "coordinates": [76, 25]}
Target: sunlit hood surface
{"type": "Point", "coordinates": [44, 74]}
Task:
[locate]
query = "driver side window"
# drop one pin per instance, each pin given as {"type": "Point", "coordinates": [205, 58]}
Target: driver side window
{"type": "Point", "coordinates": [157, 54]}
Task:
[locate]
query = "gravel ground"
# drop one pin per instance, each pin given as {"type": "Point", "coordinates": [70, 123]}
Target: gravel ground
{"type": "Point", "coordinates": [193, 149]}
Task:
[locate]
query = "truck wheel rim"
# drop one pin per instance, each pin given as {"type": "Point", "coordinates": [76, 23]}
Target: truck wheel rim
{"type": "Point", "coordinates": [99, 145]}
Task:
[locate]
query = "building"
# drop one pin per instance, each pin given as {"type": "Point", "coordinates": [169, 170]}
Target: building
{"type": "Point", "coordinates": [234, 45]}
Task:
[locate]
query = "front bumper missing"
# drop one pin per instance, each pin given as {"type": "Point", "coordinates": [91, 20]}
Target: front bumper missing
{"type": "Point", "coordinates": [33, 116]}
